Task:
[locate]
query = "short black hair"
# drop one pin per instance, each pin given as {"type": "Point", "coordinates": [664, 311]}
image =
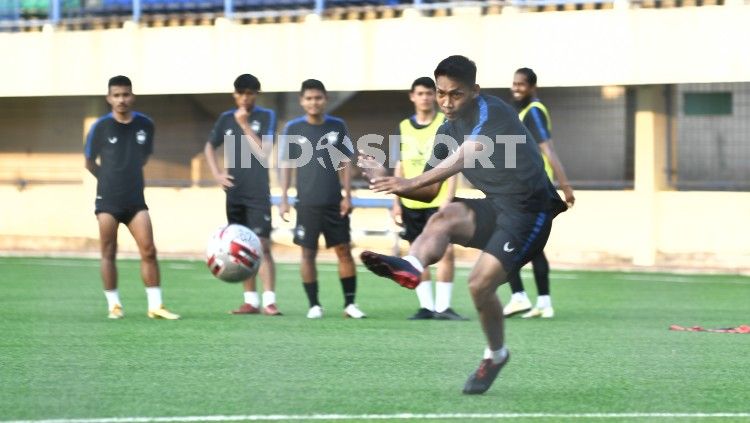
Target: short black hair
{"type": "Point", "coordinates": [458, 67]}
{"type": "Point", "coordinates": [246, 82]}
{"type": "Point", "coordinates": [424, 81]}
{"type": "Point", "coordinates": [530, 75]}
{"type": "Point", "coordinates": [119, 81]}
{"type": "Point", "coordinates": [312, 84]}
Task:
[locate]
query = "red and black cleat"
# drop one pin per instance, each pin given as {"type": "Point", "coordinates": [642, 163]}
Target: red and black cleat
{"type": "Point", "coordinates": [481, 380]}
{"type": "Point", "coordinates": [394, 268]}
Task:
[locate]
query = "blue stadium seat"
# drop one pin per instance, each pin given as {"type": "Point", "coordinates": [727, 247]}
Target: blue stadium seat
{"type": "Point", "coordinates": [10, 10]}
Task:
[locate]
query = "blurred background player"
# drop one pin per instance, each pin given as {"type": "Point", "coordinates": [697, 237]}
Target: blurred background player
{"type": "Point", "coordinates": [123, 140]}
{"type": "Point", "coordinates": [247, 187]}
{"type": "Point", "coordinates": [417, 138]}
{"type": "Point", "coordinates": [535, 117]}
{"type": "Point", "coordinates": [324, 140]}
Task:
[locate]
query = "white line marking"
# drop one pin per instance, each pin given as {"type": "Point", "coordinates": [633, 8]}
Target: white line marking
{"type": "Point", "coordinates": [398, 416]}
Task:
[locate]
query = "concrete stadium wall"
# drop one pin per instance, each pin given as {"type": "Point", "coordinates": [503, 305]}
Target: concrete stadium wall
{"type": "Point", "coordinates": [572, 48]}
{"type": "Point", "coordinates": [692, 229]}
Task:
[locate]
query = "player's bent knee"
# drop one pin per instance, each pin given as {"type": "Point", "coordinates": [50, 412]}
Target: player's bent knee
{"type": "Point", "coordinates": [481, 290]}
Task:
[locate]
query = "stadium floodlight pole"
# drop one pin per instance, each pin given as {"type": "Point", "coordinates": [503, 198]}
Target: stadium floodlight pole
{"type": "Point", "coordinates": [136, 11]}
{"type": "Point", "coordinates": [54, 12]}
{"type": "Point", "coordinates": [319, 6]}
{"type": "Point", "coordinates": [228, 9]}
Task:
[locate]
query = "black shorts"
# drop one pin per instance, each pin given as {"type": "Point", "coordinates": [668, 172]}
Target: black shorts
{"type": "Point", "coordinates": [123, 214]}
{"type": "Point", "coordinates": [256, 217]}
{"type": "Point", "coordinates": [312, 220]}
{"type": "Point", "coordinates": [514, 240]}
{"type": "Point", "coordinates": [415, 221]}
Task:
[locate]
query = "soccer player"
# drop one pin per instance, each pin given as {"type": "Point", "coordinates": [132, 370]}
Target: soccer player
{"type": "Point", "coordinates": [536, 118]}
{"type": "Point", "coordinates": [123, 140]}
{"type": "Point", "coordinates": [417, 137]}
{"type": "Point", "coordinates": [484, 139]}
{"type": "Point", "coordinates": [323, 150]}
{"type": "Point", "coordinates": [247, 186]}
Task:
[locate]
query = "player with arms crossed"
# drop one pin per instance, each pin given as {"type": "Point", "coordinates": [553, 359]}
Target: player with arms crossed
{"type": "Point", "coordinates": [123, 140]}
{"type": "Point", "coordinates": [510, 225]}
{"type": "Point", "coordinates": [247, 187]}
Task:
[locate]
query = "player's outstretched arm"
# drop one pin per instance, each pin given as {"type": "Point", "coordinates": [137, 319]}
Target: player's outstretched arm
{"type": "Point", "coordinates": [426, 186]}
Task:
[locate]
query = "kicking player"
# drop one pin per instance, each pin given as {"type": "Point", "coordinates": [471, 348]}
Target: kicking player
{"type": "Point", "coordinates": [123, 140]}
{"type": "Point", "coordinates": [323, 145]}
{"type": "Point", "coordinates": [247, 187]}
{"type": "Point", "coordinates": [536, 118]}
{"type": "Point", "coordinates": [417, 137]}
{"type": "Point", "coordinates": [510, 225]}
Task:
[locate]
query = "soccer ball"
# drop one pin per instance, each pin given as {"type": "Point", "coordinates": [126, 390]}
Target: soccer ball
{"type": "Point", "coordinates": [234, 253]}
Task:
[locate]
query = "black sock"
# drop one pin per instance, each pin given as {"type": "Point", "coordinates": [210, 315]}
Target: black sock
{"type": "Point", "coordinates": [516, 285]}
{"type": "Point", "coordinates": [541, 273]}
{"type": "Point", "coordinates": [311, 289]}
{"type": "Point", "coordinates": [349, 285]}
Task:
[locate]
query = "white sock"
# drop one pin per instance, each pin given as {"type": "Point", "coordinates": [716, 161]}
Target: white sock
{"type": "Point", "coordinates": [519, 296]}
{"type": "Point", "coordinates": [153, 294]}
{"type": "Point", "coordinates": [414, 262]}
{"type": "Point", "coordinates": [543, 301]}
{"type": "Point", "coordinates": [496, 356]}
{"type": "Point", "coordinates": [251, 297]}
{"type": "Point", "coordinates": [424, 295]}
{"type": "Point", "coordinates": [443, 291]}
{"type": "Point", "coordinates": [113, 298]}
{"type": "Point", "coordinates": [269, 297]}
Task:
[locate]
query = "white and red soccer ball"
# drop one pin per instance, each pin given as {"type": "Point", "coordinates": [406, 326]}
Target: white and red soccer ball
{"type": "Point", "coordinates": [234, 253]}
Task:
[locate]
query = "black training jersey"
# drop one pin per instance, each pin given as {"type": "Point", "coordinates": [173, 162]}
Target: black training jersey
{"type": "Point", "coordinates": [330, 149]}
{"type": "Point", "coordinates": [123, 149]}
{"type": "Point", "coordinates": [525, 188]}
{"type": "Point", "coordinates": [250, 181]}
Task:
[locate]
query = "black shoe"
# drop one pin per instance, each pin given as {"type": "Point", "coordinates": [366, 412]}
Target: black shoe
{"type": "Point", "coordinates": [422, 314]}
{"type": "Point", "coordinates": [448, 314]}
{"type": "Point", "coordinates": [394, 268]}
{"type": "Point", "coordinates": [481, 380]}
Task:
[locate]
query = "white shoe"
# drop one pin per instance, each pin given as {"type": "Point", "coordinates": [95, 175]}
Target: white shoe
{"type": "Point", "coordinates": [544, 313]}
{"type": "Point", "coordinates": [354, 312]}
{"type": "Point", "coordinates": [516, 306]}
{"type": "Point", "coordinates": [315, 312]}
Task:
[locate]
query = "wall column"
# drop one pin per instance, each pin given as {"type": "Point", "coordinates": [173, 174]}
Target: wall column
{"type": "Point", "coordinates": [650, 168]}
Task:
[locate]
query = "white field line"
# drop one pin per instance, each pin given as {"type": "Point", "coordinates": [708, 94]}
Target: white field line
{"type": "Point", "coordinates": [397, 416]}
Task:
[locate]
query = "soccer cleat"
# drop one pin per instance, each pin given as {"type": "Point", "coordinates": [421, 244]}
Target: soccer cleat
{"type": "Point", "coordinates": [116, 312]}
{"type": "Point", "coordinates": [246, 308]}
{"type": "Point", "coordinates": [271, 310]}
{"type": "Point", "coordinates": [422, 314]}
{"type": "Point", "coordinates": [162, 313]}
{"type": "Point", "coordinates": [481, 380]}
{"type": "Point", "coordinates": [448, 314]}
{"type": "Point", "coordinates": [544, 313]}
{"type": "Point", "coordinates": [516, 306]}
{"type": "Point", "coordinates": [354, 312]}
{"type": "Point", "coordinates": [315, 312]}
{"type": "Point", "coordinates": [394, 268]}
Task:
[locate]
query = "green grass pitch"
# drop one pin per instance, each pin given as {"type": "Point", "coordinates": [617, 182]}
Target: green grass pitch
{"type": "Point", "coordinates": [607, 350]}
